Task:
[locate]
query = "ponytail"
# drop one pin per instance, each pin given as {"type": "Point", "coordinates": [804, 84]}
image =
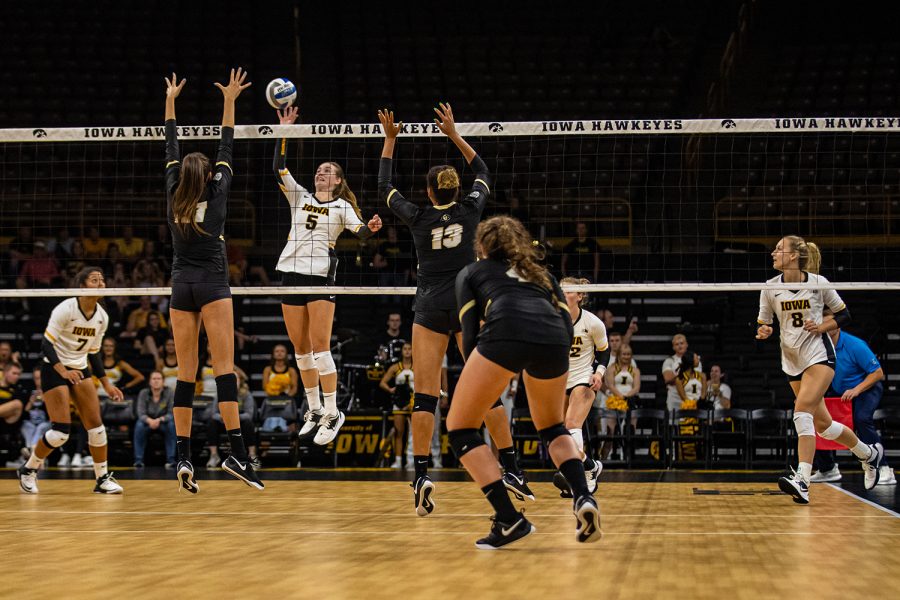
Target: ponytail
{"type": "Point", "coordinates": [814, 260]}
{"type": "Point", "coordinates": [505, 238]}
{"type": "Point", "coordinates": [443, 181]}
{"type": "Point", "coordinates": [342, 190]}
{"type": "Point", "coordinates": [190, 192]}
{"type": "Point", "coordinates": [810, 257]}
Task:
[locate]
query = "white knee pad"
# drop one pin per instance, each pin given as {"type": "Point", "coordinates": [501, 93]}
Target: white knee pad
{"type": "Point", "coordinates": [306, 362]}
{"type": "Point", "coordinates": [325, 363]}
{"type": "Point", "coordinates": [97, 436]}
{"type": "Point", "coordinates": [578, 436]}
{"type": "Point", "coordinates": [833, 431]}
{"type": "Point", "coordinates": [803, 422]}
{"type": "Point", "coordinates": [55, 438]}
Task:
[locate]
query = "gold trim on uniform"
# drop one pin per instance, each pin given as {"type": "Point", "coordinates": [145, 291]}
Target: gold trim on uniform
{"type": "Point", "coordinates": [172, 162]}
{"type": "Point", "coordinates": [49, 336]}
{"type": "Point", "coordinates": [484, 183]}
{"type": "Point", "coordinates": [222, 162]}
{"type": "Point", "coordinates": [487, 306]}
{"type": "Point", "coordinates": [444, 206]}
{"type": "Point", "coordinates": [465, 308]}
{"type": "Point", "coordinates": [388, 200]}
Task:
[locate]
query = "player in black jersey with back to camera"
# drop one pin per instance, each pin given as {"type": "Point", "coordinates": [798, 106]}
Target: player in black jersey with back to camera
{"type": "Point", "coordinates": [196, 199]}
{"type": "Point", "coordinates": [443, 234]}
{"type": "Point", "coordinates": [527, 329]}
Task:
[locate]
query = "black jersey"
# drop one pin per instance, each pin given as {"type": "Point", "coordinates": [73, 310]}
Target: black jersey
{"type": "Point", "coordinates": [200, 257]}
{"type": "Point", "coordinates": [512, 308]}
{"type": "Point", "coordinates": [444, 235]}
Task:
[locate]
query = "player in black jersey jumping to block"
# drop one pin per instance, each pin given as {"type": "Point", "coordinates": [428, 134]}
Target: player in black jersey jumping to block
{"type": "Point", "coordinates": [443, 234]}
{"type": "Point", "coordinates": [527, 329]}
{"type": "Point", "coordinates": [196, 199]}
{"type": "Point", "coordinates": [309, 259]}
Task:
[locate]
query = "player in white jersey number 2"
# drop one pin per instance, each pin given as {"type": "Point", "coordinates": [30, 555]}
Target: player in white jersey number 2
{"type": "Point", "coordinates": [807, 358]}
{"type": "Point", "coordinates": [71, 342]}
{"type": "Point", "coordinates": [589, 346]}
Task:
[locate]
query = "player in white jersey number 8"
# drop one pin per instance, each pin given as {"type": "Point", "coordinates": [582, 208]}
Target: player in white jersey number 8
{"type": "Point", "coordinates": [808, 359]}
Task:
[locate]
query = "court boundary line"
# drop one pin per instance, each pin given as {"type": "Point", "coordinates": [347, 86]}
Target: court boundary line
{"type": "Point", "coordinates": [865, 500]}
{"type": "Point", "coordinates": [421, 533]}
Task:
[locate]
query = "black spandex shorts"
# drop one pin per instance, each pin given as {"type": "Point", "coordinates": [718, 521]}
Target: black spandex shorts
{"type": "Point", "coordinates": [51, 379]}
{"type": "Point", "coordinates": [828, 362]}
{"type": "Point", "coordinates": [438, 320]}
{"type": "Point", "coordinates": [541, 361]}
{"type": "Point", "coordinates": [571, 389]}
{"type": "Point", "coordinates": [191, 297]}
{"type": "Point", "coordinates": [302, 280]}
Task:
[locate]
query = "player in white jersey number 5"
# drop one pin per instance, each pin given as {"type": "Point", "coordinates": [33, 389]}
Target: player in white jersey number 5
{"type": "Point", "coordinates": [71, 342]}
{"type": "Point", "coordinates": [589, 346]}
{"type": "Point", "coordinates": [308, 259]}
{"type": "Point", "coordinates": [807, 358]}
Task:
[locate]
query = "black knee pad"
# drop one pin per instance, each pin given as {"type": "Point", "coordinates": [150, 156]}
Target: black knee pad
{"type": "Point", "coordinates": [464, 440]}
{"type": "Point", "coordinates": [551, 433]}
{"type": "Point", "coordinates": [227, 388]}
{"type": "Point", "coordinates": [497, 404]}
{"type": "Point", "coordinates": [184, 394]}
{"type": "Point", "coordinates": [424, 403]}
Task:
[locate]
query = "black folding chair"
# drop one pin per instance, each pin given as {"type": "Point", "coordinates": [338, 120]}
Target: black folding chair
{"type": "Point", "coordinates": [648, 433]}
{"type": "Point", "coordinates": [688, 440]}
{"type": "Point", "coordinates": [770, 429]}
{"type": "Point", "coordinates": [730, 430]}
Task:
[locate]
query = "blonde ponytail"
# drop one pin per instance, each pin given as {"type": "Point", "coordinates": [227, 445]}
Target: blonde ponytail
{"type": "Point", "coordinates": [810, 257]}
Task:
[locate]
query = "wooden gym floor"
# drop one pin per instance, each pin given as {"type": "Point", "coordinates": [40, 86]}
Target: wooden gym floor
{"type": "Point", "coordinates": [358, 538]}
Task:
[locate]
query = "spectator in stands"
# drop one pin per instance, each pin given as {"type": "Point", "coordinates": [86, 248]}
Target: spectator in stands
{"type": "Point", "coordinates": [392, 262]}
{"type": "Point", "coordinates": [247, 413]}
{"type": "Point", "coordinates": [581, 256]}
{"type": "Point", "coordinates": [147, 273]}
{"type": "Point", "coordinates": [279, 378]}
{"type": "Point", "coordinates": [20, 249]}
{"type": "Point", "coordinates": [137, 319]}
{"type": "Point", "coordinates": [152, 336]}
{"type": "Point", "coordinates": [75, 262]}
{"type": "Point", "coordinates": [609, 320]}
{"type": "Point", "coordinates": [12, 395]}
{"type": "Point", "coordinates": [94, 246]}
{"type": "Point", "coordinates": [154, 413]}
{"type": "Point", "coordinates": [36, 422]}
{"type": "Point", "coordinates": [113, 257]}
{"type": "Point", "coordinates": [7, 355]}
{"type": "Point", "coordinates": [164, 243]}
{"type": "Point", "coordinates": [623, 382]}
{"type": "Point", "coordinates": [718, 393]}
{"type": "Point", "coordinates": [41, 270]}
{"type": "Point", "coordinates": [398, 381]}
{"type": "Point", "coordinates": [691, 381]}
{"type": "Point", "coordinates": [130, 247]}
{"type": "Point", "coordinates": [167, 364]}
{"type": "Point", "coordinates": [116, 370]}
{"type": "Point", "coordinates": [61, 246]}
{"type": "Point", "coordinates": [119, 277]}
{"type": "Point", "coordinates": [151, 254]}
{"type": "Point", "coordinates": [858, 379]}
{"type": "Point", "coordinates": [391, 342]}
{"type": "Point", "coordinates": [670, 369]}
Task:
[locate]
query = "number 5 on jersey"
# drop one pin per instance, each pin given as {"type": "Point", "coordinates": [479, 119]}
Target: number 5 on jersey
{"type": "Point", "coordinates": [446, 237]}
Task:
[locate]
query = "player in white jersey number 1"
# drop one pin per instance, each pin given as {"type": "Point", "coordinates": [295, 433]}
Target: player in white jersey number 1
{"type": "Point", "coordinates": [808, 359]}
{"type": "Point", "coordinates": [71, 342]}
{"type": "Point", "coordinates": [589, 346]}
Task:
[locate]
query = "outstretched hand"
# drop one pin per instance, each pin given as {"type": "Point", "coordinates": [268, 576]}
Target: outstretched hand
{"type": "Point", "coordinates": [288, 116]}
{"type": "Point", "coordinates": [173, 88]}
{"type": "Point", "coordinates": [235, 85]}
{"type": "Point", "coordinates": [445, 120]}
{"type": "Point", "coordinates": [390, 128]}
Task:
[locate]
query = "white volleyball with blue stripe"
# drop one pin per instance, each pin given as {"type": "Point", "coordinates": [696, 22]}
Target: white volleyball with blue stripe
{"type": "Point", "coordinates": [281, 93]}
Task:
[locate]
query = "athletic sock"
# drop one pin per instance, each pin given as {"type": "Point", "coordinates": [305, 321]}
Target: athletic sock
{"type": "Point", "coordinates": [499, 498]}
{"type": "Point", "coordinates": [100, 469]}
{"type": "Point", "coordinates": [330, 402]}
{"type": "Point", "coordinates": [578, 436]}
{"type": "Point", "coordinates": [421, 464]}
{"type": "Point", "coordinates": [34, 462]}
{"type": "Point", "coordinates": [183, 445]}
{"type": "Point", "coordinates": [237, 444]}
{"type": "Point", "coordinates": [312, 398]}
{"type": "Point", "coordinates": [861, 450]}
{"type": "Point", "coordinates": [804, 469]}
{"type": "Point", "coordinates": [573, 471]}
{"type": "Point", "coordinates": [509, 461]}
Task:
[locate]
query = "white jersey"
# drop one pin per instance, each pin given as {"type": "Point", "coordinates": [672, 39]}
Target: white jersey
{"type": "Point", "coordinates": [74, 335]}
{"type": "Point", "coordinates": [693, 384]}
{"type": "Point", "coordinates": [672, 363]}
{"type": "Point", "coordinates": [315, 227]}
{"type": "Point", "coordinates": [624, 380]}
{"type": "Point", "coordinates": [589, 336]}
{"type": "Point", "coordinates": [800, 348]}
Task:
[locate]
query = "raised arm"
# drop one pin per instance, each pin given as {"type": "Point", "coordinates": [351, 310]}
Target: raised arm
{"type": "Point", "coordinates": [173, 153]}
{"type": "Point", "coordinates": [173, 88]}
{"type": "Point", "coordinates": [447, 126]}
{"type": "Point", "coordinates": [279, 164]}
{"type": "Point", "coordinates": [386, 191]}
{"type": "Point", "coordinates": [230, 92]}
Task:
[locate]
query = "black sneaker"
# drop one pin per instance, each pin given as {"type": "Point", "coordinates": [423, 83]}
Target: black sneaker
{"type": "Point", "coordinates": [243, 471]}
{"type": "Point", "coordinates": [107, 484]}
{"type": "Point", "coordinates": [587, 517]}
{"type": "Point", "coordinates": [184, 472]}
{"type": "Point", "coordinates": [562, 485]}
{"type": "Point", "coordinates": [423, 488]}
{"type": "Point", "coordinates": [518, 485]}
{"type": "Point", "coordinates": [795, 487]}
{"type": "Point", "coordinates": [505, 533]}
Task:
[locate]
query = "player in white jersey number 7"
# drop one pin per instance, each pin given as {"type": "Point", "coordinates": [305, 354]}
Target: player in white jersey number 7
{"type": "Point", "coordinates": [808, 359]}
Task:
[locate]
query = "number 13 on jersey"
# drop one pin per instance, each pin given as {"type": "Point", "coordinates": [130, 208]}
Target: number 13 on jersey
{"type": "Point", "coordinates": [446, 237]}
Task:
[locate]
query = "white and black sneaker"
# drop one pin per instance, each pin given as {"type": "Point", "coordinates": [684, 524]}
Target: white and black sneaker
{"type": "Point", "coordinates": [587, 519]}
{"type": "Point", "coordinates": [328, 428]}
{"type": "Point", "coordinates": [184, 472]}
{"type": "Point", "coordinates": [593, 476]}
{"type": "Point", "coordinates": [795, 486]}
{"type": "Point", "coordinates": [423, 488]}
{"type": "Point", "coordinates": [832, 474]}
{"type": "Point", "coordinates": [505, 533]}
{"type": "Point", "coordinates": [518, 485]}
{"type": "Point", "coordinates": [311, 422]}
{"type": "Point", "coordinates": [27, 480]}
{"type": "Point", "coordinates": [107, 484]}
{"type": "Point", "coordinates": [562, 485]}
{"type": "Point", "coordinates": [872, 465]}
{"type": "Point", "coordinates": [243, 471]}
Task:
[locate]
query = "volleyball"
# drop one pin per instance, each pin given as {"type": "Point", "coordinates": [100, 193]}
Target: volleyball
{"type": "Point", "coordinates": [281, 93]}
